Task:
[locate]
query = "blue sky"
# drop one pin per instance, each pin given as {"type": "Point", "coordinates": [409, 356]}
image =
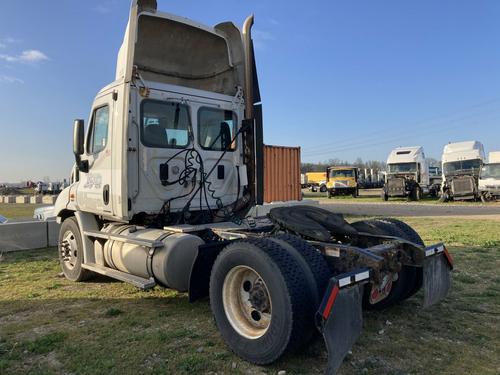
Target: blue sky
{"type": "Point", "coordinates": [341, 79]}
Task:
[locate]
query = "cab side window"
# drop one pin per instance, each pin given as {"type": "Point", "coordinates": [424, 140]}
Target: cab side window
{"type": "Point", "coordinates": [99, 132]}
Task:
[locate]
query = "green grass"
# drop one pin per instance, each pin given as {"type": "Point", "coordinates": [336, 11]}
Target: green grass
{"type": "Point", "coordinates": [18, 210]}
{"type": "Point", "coordinates": [49, 325]}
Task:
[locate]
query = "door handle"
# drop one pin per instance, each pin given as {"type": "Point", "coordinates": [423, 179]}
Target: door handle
{"type": "Point", "coordinates": [105, 194]}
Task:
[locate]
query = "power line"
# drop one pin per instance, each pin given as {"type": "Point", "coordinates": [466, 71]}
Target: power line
{"type": "Point", "coordinates": [433, 121]}
{"type": "Point", "coordinates": [367, 144]}
{"type": "Point", "coordinates": [360, 143]}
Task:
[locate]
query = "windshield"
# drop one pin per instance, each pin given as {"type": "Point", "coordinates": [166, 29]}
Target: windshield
{"type": "Point", "coordinates": [490, 171]}
{"type": "Point", "coordinates": [402, 168]}
{"type": "Point", "coordinates": [343, 173]}
{"type": "Point", "coordinates": [462, 166]}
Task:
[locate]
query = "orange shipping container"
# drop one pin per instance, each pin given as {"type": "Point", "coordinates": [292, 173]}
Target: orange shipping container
{"type": "Point", "coordinates": [281, 173]}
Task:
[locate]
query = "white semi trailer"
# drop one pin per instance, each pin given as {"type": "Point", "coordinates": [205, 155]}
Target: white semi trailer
{"type": "Point", "coordinates": [489, 178]}
{"type": "Point", "coordinates": [462, 162]}
{"type": "Point", "coordinates": [167, 176]}
{"type": "Point", "coordinates": [407, 174]}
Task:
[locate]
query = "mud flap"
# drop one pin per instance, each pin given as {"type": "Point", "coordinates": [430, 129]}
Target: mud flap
{"type": "Point", "coordinates": [340, 318]}
{"type": "Point", "coordinates": [437, 268]}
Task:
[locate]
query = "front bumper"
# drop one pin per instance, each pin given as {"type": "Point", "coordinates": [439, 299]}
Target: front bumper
{"type": "Point", "coordinates": [339, 317]}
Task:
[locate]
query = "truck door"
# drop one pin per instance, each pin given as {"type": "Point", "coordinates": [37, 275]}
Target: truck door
{"type": "Point", "coordinates": [94, 190]}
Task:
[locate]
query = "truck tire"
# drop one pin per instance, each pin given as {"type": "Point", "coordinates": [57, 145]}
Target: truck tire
{"type": "Point", "coordinates": [445, 197]}
{"type": "Point", "coordinates": [70, 248]}
{"type": "Point", "coordinates": [314, 259]}
{"type": "Point", "coordinates": [406, 277]}
{"type": "Point", "coordinates": [261, 300]}
{"type": "Point", "coordinates": [322, 189]}
{"type": "Point", "coordinates": [384, 196]}
{"type": "Point", "coordinates": [412, 236]}
{"type": "Point", "coordinates": [417, 194]}
{"type": "Point", "coordinates": [355, 194]}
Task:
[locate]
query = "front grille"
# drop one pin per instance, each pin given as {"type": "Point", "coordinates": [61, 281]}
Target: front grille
{"type": "Point", "coordinates": [341, 183]}
{"type": "Point", "coordinates": [463, 185]}
{"type": "Point", "coordinates": [396, 184]}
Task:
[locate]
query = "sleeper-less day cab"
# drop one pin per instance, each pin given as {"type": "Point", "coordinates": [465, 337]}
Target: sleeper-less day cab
{"type": "Point", "coordinates": [167, 190]}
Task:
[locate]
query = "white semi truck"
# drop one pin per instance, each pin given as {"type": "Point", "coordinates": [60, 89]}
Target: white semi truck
{"type": "Point", "coordinates": [167, 184]}
{"type": "Point", "coordinates": [407, 174]}
{"type": "Point", "coordinates": [489, 178]}
{"type": "Point", "coordinates": [462, 162]}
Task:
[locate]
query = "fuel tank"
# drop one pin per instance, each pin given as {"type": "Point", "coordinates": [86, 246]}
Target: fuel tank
{"type": "Point", "coordinates": [170, 265]}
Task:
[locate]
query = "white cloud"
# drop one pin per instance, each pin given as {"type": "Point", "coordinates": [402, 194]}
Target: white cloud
{"type": "Point", "coordinates": [10, 79]}
{"type": "Point", "coordinates": [31, 55]}
{"type": "Point", "coordinates": [8, 58]}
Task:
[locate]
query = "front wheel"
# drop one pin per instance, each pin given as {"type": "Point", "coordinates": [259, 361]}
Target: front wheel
{"type": "Point", "coordinates": [70, 248]}
{"type": "Point", "coordinates": [261, 300]}
{"type": "Point", "coordinates": [355, 193]}
{"type": "Point", "coordinates": [322, 188]}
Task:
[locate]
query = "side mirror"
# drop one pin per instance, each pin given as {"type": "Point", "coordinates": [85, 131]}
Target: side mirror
{"type": "Point", "coordinates": [78, 137]}
{"type": "Point", "coordinates": [78, 146]}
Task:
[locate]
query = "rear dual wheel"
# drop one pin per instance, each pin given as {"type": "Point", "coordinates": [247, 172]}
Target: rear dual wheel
{"type": "Point", "coordinates": [264, 296]}
{"type": "Point", "coordinates": [401, 285]}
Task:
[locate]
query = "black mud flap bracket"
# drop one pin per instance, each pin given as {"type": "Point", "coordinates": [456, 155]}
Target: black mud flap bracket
{"type": "Point", "coordinates": [340, 317]}
{"type": "Point", "coordinates": [437, 266]}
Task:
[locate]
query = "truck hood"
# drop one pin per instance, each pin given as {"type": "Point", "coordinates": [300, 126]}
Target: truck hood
{"type": "Point", "coordinates": [169, 49]}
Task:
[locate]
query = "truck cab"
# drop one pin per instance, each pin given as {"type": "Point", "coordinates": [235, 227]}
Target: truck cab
{"type": "Point", "coordinates": [407, 174]}
{"type": "Point", "coordinates": [462, 162]}
{"type": "Point", "coordinates": [166, 140]}
{"type": "Point", "coordinates": [342, 181]}
{"type": "Point", "coordinates": [489, 178]}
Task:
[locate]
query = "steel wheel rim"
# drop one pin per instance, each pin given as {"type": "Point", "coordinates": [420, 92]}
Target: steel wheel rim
{"type": "Point", "coordinates": [69, 249]}
{"type": "Point", "coordinates": [247, 302]}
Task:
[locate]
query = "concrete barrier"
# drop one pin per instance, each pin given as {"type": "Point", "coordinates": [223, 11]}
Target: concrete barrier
{"type": "Point", "coordinates": [22, 199]}
{"type": "Point", "coordinates": [23, 236]}
{"type": "Point", "coordinates": [28, 235]}
{"type": "Point", "coordinates": [49, 199]}
{"type": "Point", "coordinates": [52, 232]}
{"type": "Point", "coordinates": [9, 199]}
{"type": "Point", "coordinates": [36, 199]}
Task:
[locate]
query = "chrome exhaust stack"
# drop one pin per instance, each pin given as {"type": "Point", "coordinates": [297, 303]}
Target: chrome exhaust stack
{"type": "Point", "coordinates": [247, 44]}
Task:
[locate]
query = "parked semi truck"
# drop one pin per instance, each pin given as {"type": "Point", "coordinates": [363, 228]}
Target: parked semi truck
{"type": "Point", "coordinates": [407, 174]}
{"type": "Point", "coordinates": [168, 187]}
{"type": "Point", "coordinates": [342, 181]}
{"type": "Point", "coordinates": [462, 162]}
{"type": "Point", "coordinates": [489, 178]}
